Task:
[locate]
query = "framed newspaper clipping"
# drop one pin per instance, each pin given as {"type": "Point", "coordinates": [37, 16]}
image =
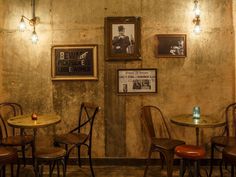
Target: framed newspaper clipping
{"type": "Point", "coordinates": [137, 81]}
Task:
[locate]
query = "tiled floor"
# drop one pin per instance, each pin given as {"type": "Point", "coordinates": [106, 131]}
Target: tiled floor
{"type": "Point", "coordinates": [116, 171]}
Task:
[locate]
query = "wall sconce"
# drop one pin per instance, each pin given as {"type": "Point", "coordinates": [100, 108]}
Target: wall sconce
{"type": "Point", "coordinates": [196, 20]}
{"type": "Point", "coordinates": [32, 22]}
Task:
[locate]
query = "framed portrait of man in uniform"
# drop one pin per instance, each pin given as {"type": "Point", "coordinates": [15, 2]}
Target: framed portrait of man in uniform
{"type": "Point", "coordinates": [122, 38]}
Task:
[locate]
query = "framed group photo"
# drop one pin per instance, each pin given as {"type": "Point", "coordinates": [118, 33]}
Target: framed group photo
{"type": "Point", "coordinates": [122, 38]}
{"type": "Point", "coordinates": [136, 81]}
{"type": "Point", "coordinates": [74, 62]}
{"type": "Point", "coordinates": [171, 45]}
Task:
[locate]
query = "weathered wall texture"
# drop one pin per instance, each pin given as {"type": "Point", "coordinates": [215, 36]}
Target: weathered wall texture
{"type": "Point", "coordinates": [1, 39]}
{"type": "Point", "coordinates": [234, 23]}
{"type": "Point", "coordinates": [206, 77]}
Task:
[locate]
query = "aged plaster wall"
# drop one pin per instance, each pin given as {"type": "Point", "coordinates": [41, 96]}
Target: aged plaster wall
{"type": "Point", "coordinates": [234, 23]}
{"type": "Point", "coordinates": [205, 77]}
{"type": "Point", "coordinates": [1, 39]}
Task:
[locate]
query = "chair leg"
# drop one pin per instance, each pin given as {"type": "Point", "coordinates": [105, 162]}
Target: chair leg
{"type": "Point", "coordinates": [212, 159]}
{"type": "Point", "coordinates": [18, 169]}
{"type": "Point", "coordinates": [182, 168]}
{"type": "Point", "coordinates": [79, 159]}
{"type": "Point", "coordinates": [162, 160]}
{"type": "Point", "coordinates": [63, 167]}
{"type": "Point", "coordinates": [12, 170]}
{"type": "Point", "coordinates": [23, 154]}
{"type": "Point", "coordinates": [51, 168]}
{"type": "Point", "coordinates": [66, 156]}
{"type": "Point", "coordinates": [169, 158]}
{"type": "Point", "coordinates": [221, 171]}
{"type": "Point", "coordinates": [148, 162]}
{"type": "Point", "coordinates": [58, 169]}
{"type": "Point", "coordinates": [90, 161]}
{"type": "Point", "coordinates": [4, 171]}
{"type": "Point", "coordinates": [196, 168]}
{"type": "Point", "coordinates": [232, 170]}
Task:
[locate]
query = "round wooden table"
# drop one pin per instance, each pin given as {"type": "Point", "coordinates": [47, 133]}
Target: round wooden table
{"type": "Point", "coordinates": [25, 121]}
{"type": "Point", "coordinates": [204, 122]}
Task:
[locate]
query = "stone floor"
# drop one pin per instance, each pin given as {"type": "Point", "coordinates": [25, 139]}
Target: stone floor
{"type": "Point", "coordinates": [116, 171]}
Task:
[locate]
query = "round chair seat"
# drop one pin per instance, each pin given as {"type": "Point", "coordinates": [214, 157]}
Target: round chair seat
{"type": "Point", "coordinates": [190, 152]}
{"type": "Point", "coordinates": [224, 141]}
{"type": "Point", "coordinates": [17, 140]}
{"type": "Point", "coordinates": [50, 153]}
{"type": "Point", "coordinates": [8, 155]}
{"type": "Point", "coordinates": [229, 154]}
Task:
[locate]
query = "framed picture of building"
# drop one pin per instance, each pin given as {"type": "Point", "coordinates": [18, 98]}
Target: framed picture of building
{"type": "Point", "coordinates": [136, 81]}
{"type": "Point", "coordinates": [74, 62]}
{"type": "Point", "coordinates": [122, 38]}
{"type": "Point", "coordinates": [171, 45]}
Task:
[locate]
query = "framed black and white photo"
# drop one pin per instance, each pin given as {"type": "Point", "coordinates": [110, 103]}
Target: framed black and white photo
{"type": "Point", "coordinates": [74, 62]}
{"type": "Point", "coordinates": [136, 81]}
{"type": "Point", "coordinates": [122, 38]}
{"type": "Point", "coordinates": [171, 45]}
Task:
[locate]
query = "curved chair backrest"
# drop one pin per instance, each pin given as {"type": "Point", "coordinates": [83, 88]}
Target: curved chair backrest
{"type": "Point", "coordinates": [7, 110]}
{"type": "Point", "coordinates": [230, 113]}
{"type": "Point", "coordinates": [148, 114]}
{"type": "Point", "coordinates": [88, 112]}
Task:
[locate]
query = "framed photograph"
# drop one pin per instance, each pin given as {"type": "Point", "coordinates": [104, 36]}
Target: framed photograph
{"type": "Point", "coordinates": [74, 62]}
{"type": "Point", "coordinates": [136, 81]}
{"type": "Point", "coordinates": [122, 38]}
{"type": "Point", "coordinates": [171, 45]}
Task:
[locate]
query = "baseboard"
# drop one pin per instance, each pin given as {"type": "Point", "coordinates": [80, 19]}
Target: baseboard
{"type": "Point", "coordinates": [110, 161]}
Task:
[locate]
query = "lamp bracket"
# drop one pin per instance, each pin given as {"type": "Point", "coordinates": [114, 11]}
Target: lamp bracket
{"type": "Point", "coordinates": [196, 20]}
{"type": "Point", "coordinates": [34, 21]}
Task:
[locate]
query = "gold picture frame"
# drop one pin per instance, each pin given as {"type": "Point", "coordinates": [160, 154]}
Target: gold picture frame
{"type": "Point", "coordinates": [74, 62]}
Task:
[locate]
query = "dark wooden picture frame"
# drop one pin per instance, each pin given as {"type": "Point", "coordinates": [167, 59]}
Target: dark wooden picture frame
{"type": "Point", "coordinates": [122, 38]}
{"type": "Point", "coordinates": [74, 62]}
{"type": "Point", "coordinates": [171, 45]}
{"type": "Point", "coordinates": [133, 81]}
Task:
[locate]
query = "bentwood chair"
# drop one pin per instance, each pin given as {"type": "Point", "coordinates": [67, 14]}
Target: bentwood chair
{"type": "Point", "coordinates": [76, 137]}
{"type": "Point", "coordinates": [229, 156]}
{"type": "Point", "coordinates": [8, 156]}
{"type": "Point", "coordinates": [220, 142]}
{"type": "Point", "coordinates": [53, 156]}
{"type": "Point", "coordinates": [165, 145]}
{"type": "Point", "coordinates": [11, 136]}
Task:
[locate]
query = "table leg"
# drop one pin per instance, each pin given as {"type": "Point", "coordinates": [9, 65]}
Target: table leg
{"type": "Point", "coordinates": [197, 136]}
{"type": "Point", "coordinates": [33, 155]}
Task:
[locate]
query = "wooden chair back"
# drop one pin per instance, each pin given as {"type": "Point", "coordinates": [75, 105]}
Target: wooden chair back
{"type": "Point", "coordinates": [230, 115]}
{"type": "Point", "coordinates": [8, 110]}
{"type": "Point", "coordinates": [153, 119]}
{"type": "Point", "coordinates": [87, 114]}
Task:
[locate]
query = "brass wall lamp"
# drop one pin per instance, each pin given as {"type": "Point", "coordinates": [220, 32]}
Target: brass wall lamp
{"type": "Point", "coordinates": [32, 22]}
{"type": "Point", "coordinates": [196, 20]}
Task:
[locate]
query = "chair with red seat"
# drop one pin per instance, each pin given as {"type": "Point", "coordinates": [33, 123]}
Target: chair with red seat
{"type": "Point", "coordinates": [164, 145]}
{"type": "Point", "coordinates": [219, 142]}
{"type": "Point", "coordinates": [188, 154]}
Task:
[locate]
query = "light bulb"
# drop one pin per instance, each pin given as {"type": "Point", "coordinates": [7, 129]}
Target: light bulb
{"type": "Point", "coordinates": [196, 8]}
{"type": "Point", "coordinates": [197, 29]}
{"type": "Point", "coordinates": [22, 25]}
{"type": "Point", "coordinates": [34, 37]}
{"type": "Point", "coordinates": [197, 11]}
